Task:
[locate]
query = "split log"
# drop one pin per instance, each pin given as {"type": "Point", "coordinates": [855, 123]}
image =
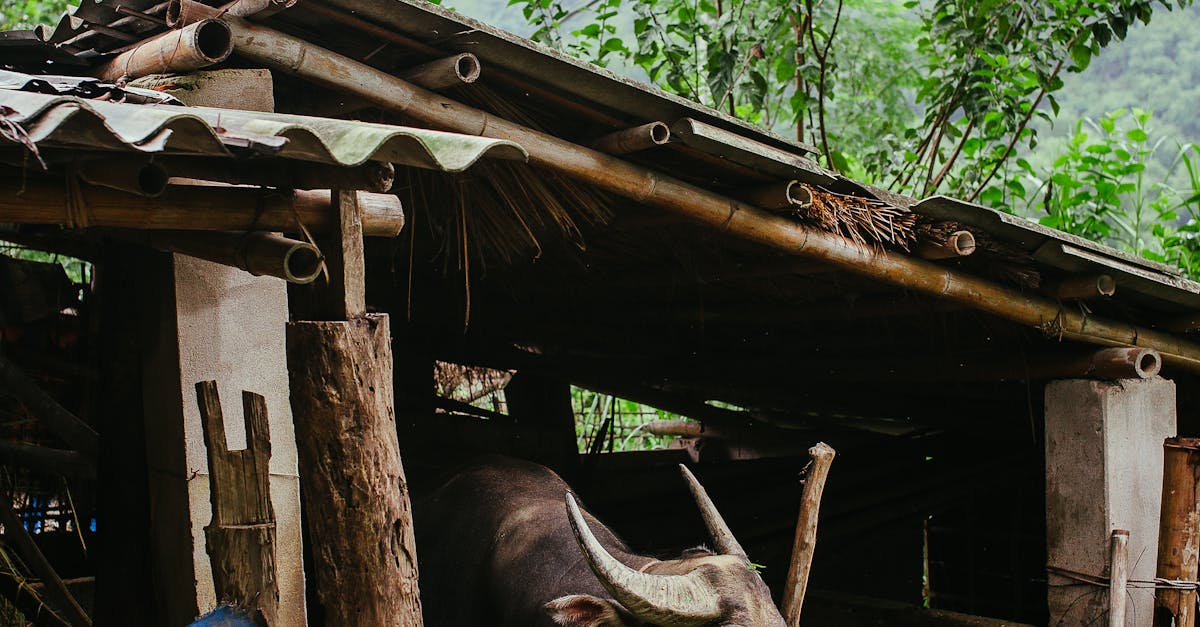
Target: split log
{"type": "Point", "coordinates": [1179, 532]}
{"type": "Point", "coordinates": [76, 433]}
{"type": "Point", "coordinates": [201, 44]}
{"type": "Point", "coordinates": [260, 253]}
{"type": "Point", "coordinates": [805, 543]}
{"type": "Point", "coordinates": [240, 540]}
{"type": "Point", "coordinates": [363, 550]}
{"type": "Point", "coordinates": [190, 207]}
{"type": "Point", "coordinates": [1118, 553]}
{"type": "Point", "coordinates": [634, 139]}
{"type": "Point", "coordinates": [54, 589]}
{"type": "Point", "coordinates": [456, 71]}
{"type": "Point", "coordinates": [300, 58]}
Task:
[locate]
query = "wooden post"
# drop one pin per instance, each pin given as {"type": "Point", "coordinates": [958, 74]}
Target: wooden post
{"type": "Point", "coordinates": [544, 406]}
{"type": "Point", "coordinates": [1179, 532]}
{"type": "Point", "coordinates": [806, 532]}
{"type": "Point", "coordinates": [241, 538]}
{"type": "Point", "coordinates": [355, 494]}
{"type": "Point", "coordinates": [1118, 576]}
{"type": "Point", "coordinates": [357, 511]}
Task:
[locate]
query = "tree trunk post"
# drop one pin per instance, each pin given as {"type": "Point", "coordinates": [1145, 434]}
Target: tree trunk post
{"type": "Point", "coordinates": [1178, 532]}
{"type": "Point", "coordinates": [806, 533]}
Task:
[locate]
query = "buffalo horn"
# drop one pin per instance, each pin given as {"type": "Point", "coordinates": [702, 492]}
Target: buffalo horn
{"type": "Point", "coordinates": [722, 537]}
{"type": "Point", "coordinates": [668, 600]}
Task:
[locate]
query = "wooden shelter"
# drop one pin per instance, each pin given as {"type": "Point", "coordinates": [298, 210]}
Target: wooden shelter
{"type": "Point", "coordinates": [998, 392]}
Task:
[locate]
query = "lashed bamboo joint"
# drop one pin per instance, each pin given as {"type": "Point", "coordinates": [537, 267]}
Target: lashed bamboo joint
{"type": "Point", "coordinates": [634, 139]}
{"type": "Point", "coordinates": [196, 46]}
{"type": "Point", "coordinates": [313, 63]}
{"type": "Point", "coordinates": [959, 244]}
{"type": "Point", "coordinates": [1084, 288]}
{"type": "Point", "coordinates": [456, 71]}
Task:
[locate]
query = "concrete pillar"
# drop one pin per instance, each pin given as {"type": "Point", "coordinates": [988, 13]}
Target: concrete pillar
{"type": "Point", "coordinates": [220, 323]}
{"type": "Point", "coordinates": [1104, 463]}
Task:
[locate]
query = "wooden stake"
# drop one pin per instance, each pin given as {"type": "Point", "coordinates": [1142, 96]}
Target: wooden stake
{"type": "Point", "coordinates": [806, 533]}
{"type": "Point", "coordinates": [240, 540]}
{"type": "Point", "coordinates": [300, 58]}
{"type": "Point", "coordinates": [1179, 532]}
{"type": "Point", "coordinates": [1119, 577]}
{"type": "Point", "coordinates": [355, 494]}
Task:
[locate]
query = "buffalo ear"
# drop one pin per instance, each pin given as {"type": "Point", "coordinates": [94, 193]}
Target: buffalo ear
{"type": "Point", "coordinates": [583, 610]}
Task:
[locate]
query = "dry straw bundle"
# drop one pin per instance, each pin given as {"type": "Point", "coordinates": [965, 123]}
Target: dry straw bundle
{"type": "Point", "coordinates": [865, 221]}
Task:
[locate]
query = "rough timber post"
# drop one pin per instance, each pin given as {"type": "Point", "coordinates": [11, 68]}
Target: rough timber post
{"type": "Point", "coordinates": [1104, 471]}
{"type": "Point", "coordinates": [355, 495]}
{"type": "Point", "coordinates": [214, 322]}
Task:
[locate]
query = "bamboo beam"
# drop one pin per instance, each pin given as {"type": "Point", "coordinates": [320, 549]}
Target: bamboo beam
{"type": "Point", "coordinates": [456, 71]}
{"type": "Point", "coordinates": [55, 590]}
{"type": "Point", "coordinates": [806, 533]}
{"type": "Point", "coordinates": [373, 176]}
{"type": "Point", "coordinates": [959, 244]}
{"type": "Point", "coordinates": [634, 139]}
{"type": "Point", "coordinates": [305, 60]}
{"type": "Point", "coordinates": [76, 433]}
{"type": "Point", "coordinates": [145, 178]}
{"type": "Point", "coordinates": [1084, 287]}
{"type": "Point", "coordinates": [1178, 533]}
{"type": "Point", "coordinates": [779, 197]}
{"type": "Point", "coordinates": [199, 45]}
{"type": "Point", "coordinates": [189, 207]}
{"type": "Point", "coordinates": [181, 13]}
{"type": "Point", "coordinates": [258, 252]}
{"type": "Point", "coordinates": [1119, 577]}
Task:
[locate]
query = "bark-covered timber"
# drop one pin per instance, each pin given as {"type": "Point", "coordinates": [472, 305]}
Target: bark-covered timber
{"type": "Point", "coordinates": [240, 540]}
{"type": "Point", "coordinates": [1179, 532]}
{"type": "Point", "coordinates": [355, 494]}
{"type": "Point", "coordinates": [805, 542]}
{"type": "Point", "coordinates": [313, 63]}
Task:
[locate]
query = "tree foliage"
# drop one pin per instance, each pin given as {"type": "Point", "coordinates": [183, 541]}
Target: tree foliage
{"type": "Point", "coordinates": [21, 14]}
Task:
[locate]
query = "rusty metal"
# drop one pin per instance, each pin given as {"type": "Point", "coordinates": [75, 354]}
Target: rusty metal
{"type": "Point", "coordinates": [298, 57]}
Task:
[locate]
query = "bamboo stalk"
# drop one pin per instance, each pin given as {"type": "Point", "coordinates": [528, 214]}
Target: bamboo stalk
{"type": "Point", "coordinates": [959, 244]}
{"type": "Point", "coordinates": [683, 428]}
{"type": "Point", "coordinates": [1084, 287]}
{"type": "Point", "coordinates": [373, 176]}
{"type": "Point", "coordinates": [634, 139]}
{"type": "Point", "coordinates": [260, 253]}
{"type": "Point", "coordinates": [1124, 363]}
{"type": "Point", "coordinates": [1119, 577]}
{"type": "Point", "coordinates": [144, 178]}
{"type": "Point", "coordinates": [196, 46]}
{"type": "Point", "coordinates": [181, 13]}
{"type": "Point", "coordinates": [1178, 532]}
{"type": "Point", "coordinates": [300, 58]}
{"type": "Point", "coordinates": [189, 207]}
{"type": "Point", "coordinates": [456, 71]}
{"type": "Point", "coordinates": [55, 590]}
{"type": "Point", "coordinates": [787, 196]}
{"type": "Point", "coordinates": [805, 542]}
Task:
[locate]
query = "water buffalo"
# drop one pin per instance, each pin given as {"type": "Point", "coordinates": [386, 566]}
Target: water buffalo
{"type": "Point", "coordinates": [498, 546]}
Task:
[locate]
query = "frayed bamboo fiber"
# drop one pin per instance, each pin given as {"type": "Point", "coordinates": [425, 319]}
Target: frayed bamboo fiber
{"type": "Point", "coordinates": [456, 71]}
{"type": "Point", "coordinates": [199, 45]}
{"type": "Point", "coordinates": [260, 253]}
{"type": "Point", "coordinates": [634, 139]}
{"type": "Point", "coordinates": [189, 207]}
{"type": "Point", "coordinates": [313, 63]}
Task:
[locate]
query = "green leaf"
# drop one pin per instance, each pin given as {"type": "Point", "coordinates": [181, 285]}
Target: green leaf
{"type": "Point", "coordinates": [1136, 135]}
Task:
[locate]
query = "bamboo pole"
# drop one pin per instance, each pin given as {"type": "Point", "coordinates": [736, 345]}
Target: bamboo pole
{"type": "Point", "coordinates": [144, 178]}
{"type": "Point", "coordinates": [300, 58]}
{"type": "Point", "coordinates": [959, 244]}
{"type": "Point", "coordinates": [260, 253]}
{"type": "Point", "coordinates": [1119, 577]}
{"type": "Point", "coordinates": [181, 13]}
{"type": "Point", "coordinates": [456, 71]}
{"type": "Point", "coordinates": [199, 45]}
{"type": "Point", "coordinates": [372, 176]}
{"type": "Point", "coordinates": [1084, 287]}
{"type": "Point", "coordinates": [55, 590]}
{"type": "Point", "coordinates": [1179, 533]}
{"type": "Point", "coordinates": [634, 139]}
{"type": "Point", "coordinates": [189, 207]}
{"type": "Point", "coordinates": [787, 196]}
{"type": "Point", "coordinates": [805, 542]}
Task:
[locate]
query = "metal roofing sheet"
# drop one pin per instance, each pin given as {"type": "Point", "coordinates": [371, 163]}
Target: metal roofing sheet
{"type": "Point", "coordinates": [67, 121]}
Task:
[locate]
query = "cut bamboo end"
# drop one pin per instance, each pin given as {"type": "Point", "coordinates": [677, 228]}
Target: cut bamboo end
{"type": "Point", "coordinates": [201, 44]}
{"type": "Point", "coordinates": [144, 179]}
{"type": "Point", "coordinates": [1125, 363]}
{"type": "Point", "coordinates": [1085, 287]}
{"type": "Point", "coordinates": [786, 196]}
{"type": "Point", "coordinates": [634, 139]}
{"type": "Point", "coordinates": [456, 71]}
{"type": "Point", "coordinates": [259, 253]}
{"type": "Point", "coordinates": [959, 244]}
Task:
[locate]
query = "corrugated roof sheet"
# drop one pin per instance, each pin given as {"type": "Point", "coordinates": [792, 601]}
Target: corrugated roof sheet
{"type": "Point", "coordinates": [71, 122]}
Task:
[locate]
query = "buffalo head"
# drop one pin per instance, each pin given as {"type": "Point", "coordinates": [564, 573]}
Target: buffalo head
{"type": "Point", "coordinates": [701, 589]}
